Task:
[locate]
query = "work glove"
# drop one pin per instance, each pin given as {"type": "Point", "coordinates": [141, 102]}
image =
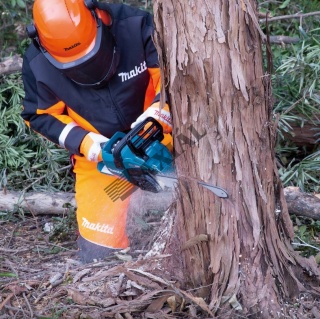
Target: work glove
{"type": "Point", "coordinates": [163, 116]}
{"type": "Point", "coordinates": [90, 146]}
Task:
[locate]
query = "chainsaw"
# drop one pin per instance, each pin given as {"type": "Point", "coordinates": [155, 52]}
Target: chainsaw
{"type": "Point", "coordinates": [140, 158]}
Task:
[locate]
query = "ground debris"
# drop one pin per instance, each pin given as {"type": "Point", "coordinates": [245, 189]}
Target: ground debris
{"type": "Point", "coordinates": [43, 279]}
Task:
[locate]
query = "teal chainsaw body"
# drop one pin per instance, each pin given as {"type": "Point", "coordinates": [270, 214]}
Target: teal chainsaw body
{"type": "Point", "coordinates": [138, 156]}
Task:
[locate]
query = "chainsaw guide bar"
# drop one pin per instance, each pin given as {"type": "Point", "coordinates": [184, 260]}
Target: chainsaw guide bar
{"type": "Point", "coordinates": [140, 158]}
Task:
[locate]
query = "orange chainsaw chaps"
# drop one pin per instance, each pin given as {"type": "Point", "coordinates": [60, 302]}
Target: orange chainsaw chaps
{"type": "Point", "coordinates": [102, 205]}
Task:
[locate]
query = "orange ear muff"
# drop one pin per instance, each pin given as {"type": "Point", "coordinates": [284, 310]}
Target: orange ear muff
{"type": "Point", "coordinates": [103, 15]}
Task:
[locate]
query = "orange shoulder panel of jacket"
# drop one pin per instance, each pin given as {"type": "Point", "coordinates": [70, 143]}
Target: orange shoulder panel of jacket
{"type": "Point", "coordinates": [155, 74]}
{"type": "Point", "coordinates": [58, 111]}
{"type": "Point", "coordinates": [57, 108]}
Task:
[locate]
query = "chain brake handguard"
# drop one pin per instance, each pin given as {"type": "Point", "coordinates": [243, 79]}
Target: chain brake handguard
{"type": "Point", "coordinates": [138, 140]}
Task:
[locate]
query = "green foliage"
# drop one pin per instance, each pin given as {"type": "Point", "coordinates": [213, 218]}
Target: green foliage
{"type": "Point", "coordinates": [64, 228]}
{"type": "Point", "coordinates": [304, 173]}
{"type": "Point", "coordinates": [18, 3]}
{"type": "Point", "coordinates": [7, 274]}
{"type": "Point", "coordinates": [296, 86]}
{"type": "Point", "coordinates": [296, 93]}
{"type": "Point", "coordinates": [291, 26]}
{"type": "Point", "coordinates": [13, 154]}
{"type": "Point", "coordinates": [26, 159]}
{"type": "Point", "coordinates": [296, 90]}
{"type": "Point", "coordinates": [15, 14]}
{"type": "Point", "coordinates": [307, 232]}
{"type": "Point", "coordinates": [303, 69]}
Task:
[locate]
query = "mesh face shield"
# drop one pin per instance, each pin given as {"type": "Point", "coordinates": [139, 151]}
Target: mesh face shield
{"type": "Point", "coordinates": [95, 68]}
{"type": "Point", "coordinates": [75, 38]}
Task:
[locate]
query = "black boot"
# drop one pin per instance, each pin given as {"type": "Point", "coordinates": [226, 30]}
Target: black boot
{"type": "Point", "coordinates": [90, 252]}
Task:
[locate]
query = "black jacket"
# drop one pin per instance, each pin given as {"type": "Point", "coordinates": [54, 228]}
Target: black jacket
{"type": "Point", "coordinates": [52, 101]}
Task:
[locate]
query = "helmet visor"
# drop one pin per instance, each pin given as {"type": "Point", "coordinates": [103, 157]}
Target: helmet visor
{"type": "Point", "coordinates": [96, 67]}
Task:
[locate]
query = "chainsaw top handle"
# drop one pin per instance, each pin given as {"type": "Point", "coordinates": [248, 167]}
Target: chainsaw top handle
{"type": "Point", "coordinates": [138, 140]}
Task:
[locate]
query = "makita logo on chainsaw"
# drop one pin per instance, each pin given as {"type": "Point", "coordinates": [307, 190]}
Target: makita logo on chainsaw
{"type": "Point", "coordinates": [125, 76]}
{"type": "Point", "coordinates": [72, 46]}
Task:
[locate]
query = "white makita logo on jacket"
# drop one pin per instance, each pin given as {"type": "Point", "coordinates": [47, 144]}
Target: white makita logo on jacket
{"type": "Point", "coordinates": [125, 76]}
{"type": "Point", "coordinates": [102, 228]}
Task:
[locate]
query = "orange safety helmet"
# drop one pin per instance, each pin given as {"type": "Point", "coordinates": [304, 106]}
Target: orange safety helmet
{"type": "Point", "coordinates": [75, 37]}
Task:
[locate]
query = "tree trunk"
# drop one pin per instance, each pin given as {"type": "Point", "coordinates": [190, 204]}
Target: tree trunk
{"type": "Point", "coordinates": [236, 251]}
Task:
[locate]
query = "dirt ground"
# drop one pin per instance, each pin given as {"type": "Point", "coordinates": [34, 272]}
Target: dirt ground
{"type": "Point", "coordinates": [42, 277]}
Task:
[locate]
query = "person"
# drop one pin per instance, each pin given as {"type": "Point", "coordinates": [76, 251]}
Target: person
{"type": "Point", "coordinates": [91, 70]}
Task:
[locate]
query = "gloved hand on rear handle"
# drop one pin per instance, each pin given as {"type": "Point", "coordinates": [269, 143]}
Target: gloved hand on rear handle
{"type": "Point", "coordinates": [91, 146]}
{"type": "Point", "coordinates": [163, 116]}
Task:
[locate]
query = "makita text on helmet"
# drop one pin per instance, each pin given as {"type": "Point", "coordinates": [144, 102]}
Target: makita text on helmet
{"type": "Point", "coordinates": [73, 46]}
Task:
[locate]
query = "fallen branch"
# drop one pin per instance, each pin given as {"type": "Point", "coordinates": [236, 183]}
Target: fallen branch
{"type": "Point", "coordinates": [37, 203]}
{"type": "Point", "coordinates": [299, 203]}
{"type": "Point", "coordinates": [282, 39]}
{"type": "Point", "coordinates": [290, 16]}
{"type": "Point", "coordinates": [302, 204]}
{"type": "Point", "coordinates": [58, 203]}
{"type": "Point", "coordinates": [11, 65]}
{"type": "Point", "coordinates": [308, 135]}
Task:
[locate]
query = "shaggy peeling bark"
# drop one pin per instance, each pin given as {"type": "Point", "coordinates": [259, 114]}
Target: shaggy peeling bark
{"type": "Point", "coordinates": [236, 251]}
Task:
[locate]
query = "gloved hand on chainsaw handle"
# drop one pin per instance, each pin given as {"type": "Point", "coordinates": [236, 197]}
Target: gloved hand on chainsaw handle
{"type": "Point", "coordinates": [163, 116]}
{"type": "Point", "coordinates": [90, 146]}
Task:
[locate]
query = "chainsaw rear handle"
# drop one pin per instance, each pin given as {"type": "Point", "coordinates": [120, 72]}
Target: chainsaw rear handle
{"type": "Point", "coordinates": [138, 143]}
